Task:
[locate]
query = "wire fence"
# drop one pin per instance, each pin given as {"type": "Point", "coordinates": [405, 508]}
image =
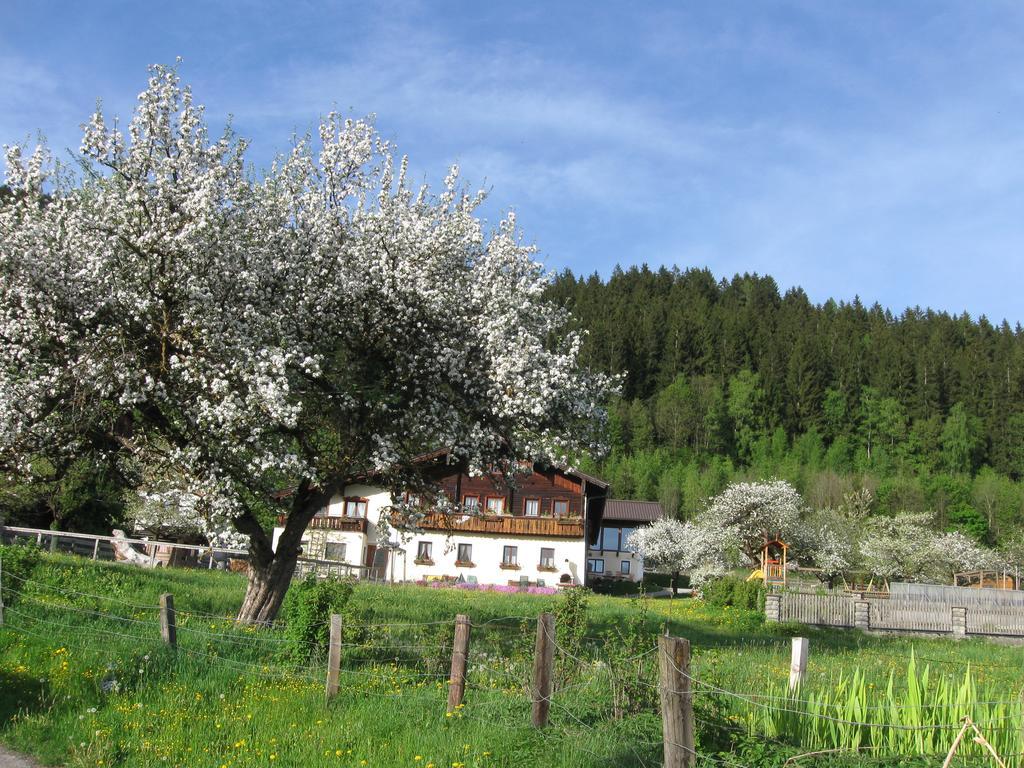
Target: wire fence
{"type": "Point", "coordinates": [595, 685]}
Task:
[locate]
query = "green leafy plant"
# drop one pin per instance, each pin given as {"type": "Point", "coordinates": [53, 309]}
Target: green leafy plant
{"type": "Point", "coordinates": [570, 632]}
{"type": "Point", "coordinates": [626, 652]}
{"type": "Point", "coordinates": [918, 716]}
{"type": "Point", "coordinates": [308, 611]}
{"type": "Point", "coordinates": [17, 562]}
{"type": "Point", "coordinates": [734, 592]}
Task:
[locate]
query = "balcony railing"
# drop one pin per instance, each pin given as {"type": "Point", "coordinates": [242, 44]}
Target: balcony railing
{"type": "Point", "coordinates": [348, 524]}
{"type": "Point", "coordinates": [508, 525]}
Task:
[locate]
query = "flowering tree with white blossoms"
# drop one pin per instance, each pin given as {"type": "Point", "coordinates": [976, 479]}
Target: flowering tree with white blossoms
{"type": "Point", "coordinates": [166, 504]}
{"type": "Point", "coordinates": [753, 513]}
{"type": "Point", "coordinates": [908, 547]}
{"type": "Point", "coordinates": [829, 543]}
{"type": "Point", "coordinates": [828, 539]}
{"type": "Point", "coordinates": [675, 547]}
{"type": "Point", "coordinates": [957, 553]}
{"type": "Point", "coordinates": [316, 325]}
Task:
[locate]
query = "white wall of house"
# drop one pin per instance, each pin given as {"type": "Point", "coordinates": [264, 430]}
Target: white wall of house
{"type": "Point", "coordinates": [376, 498]}
{"type": "Point", "coordinates": [569, 556]}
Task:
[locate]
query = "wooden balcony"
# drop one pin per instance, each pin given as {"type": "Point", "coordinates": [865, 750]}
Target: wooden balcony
{"type": "Point", "coordinates": [506, 525]}
{"type": "Point", "coordinates": [348, 524]}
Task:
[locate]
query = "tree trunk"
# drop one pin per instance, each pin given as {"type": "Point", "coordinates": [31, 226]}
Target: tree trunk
{"type": "Point", "coordinates": [270, 571]}
{"type": "Point", "coordinates": [265, 592]}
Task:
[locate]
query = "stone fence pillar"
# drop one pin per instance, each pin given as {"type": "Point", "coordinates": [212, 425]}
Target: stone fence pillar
{"type": "Point", "coordinates": [959, 616]}
{"type": "Point", "coordinates": [772, 607]}
{"type": "Point", "coordinates": [862, 614]}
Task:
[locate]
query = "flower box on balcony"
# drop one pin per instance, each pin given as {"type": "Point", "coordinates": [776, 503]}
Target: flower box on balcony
{"type": "Point", "coordinates": [548, 568]}
{"type": "Point", "coordinates": [423, 561]}
{"type": "Point", "coordinates": [509, 566]}
{"type": "Point", "coordinates": [465, 564]}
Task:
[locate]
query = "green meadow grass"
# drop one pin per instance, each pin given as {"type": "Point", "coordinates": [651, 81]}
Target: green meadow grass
{"type": "Point", "coordinates": [80, 688]}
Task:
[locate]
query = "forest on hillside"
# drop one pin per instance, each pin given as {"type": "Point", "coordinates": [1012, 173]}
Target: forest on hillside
{"type": "Point", "coordinates": [732, 379]}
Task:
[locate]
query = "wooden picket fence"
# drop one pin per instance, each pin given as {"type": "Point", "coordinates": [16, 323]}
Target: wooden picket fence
{"type": "Point", "coordinates": [896, 614]}
{"type": "Point", "coordinates": [824, 610]}
{"type": "Point", "coordinates": [911, 616]}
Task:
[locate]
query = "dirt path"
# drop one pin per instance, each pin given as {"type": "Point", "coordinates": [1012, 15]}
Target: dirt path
{"type": "Point", "coordinates": [11, 760]}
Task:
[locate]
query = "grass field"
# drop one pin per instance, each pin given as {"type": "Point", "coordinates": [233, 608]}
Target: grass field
{"type": "Point", "coordinates": [86, 681]}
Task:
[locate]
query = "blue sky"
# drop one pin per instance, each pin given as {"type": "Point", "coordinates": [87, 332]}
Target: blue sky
{"type": "Point", "coordinates": [854, 148]}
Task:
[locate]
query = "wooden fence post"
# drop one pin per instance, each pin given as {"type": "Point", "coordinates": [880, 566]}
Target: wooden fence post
{"type": "Point", "coordinates": [168, 624]}
{"type": "Point", "coordinates": [543, 669]}
{"type": "Point", "coordinates": [460, 652]}
{"type": "Point", "coordinates": [676, 701]}
{"type": "Point", "coordinates": [96, 549]}
{"type": "Point", "coordinates": [334, 656]}
{"type": "Point", "coordinates": [798, 662]}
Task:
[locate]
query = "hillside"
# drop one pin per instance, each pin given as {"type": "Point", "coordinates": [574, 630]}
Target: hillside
{"type": "Point", "coordinates": [733, 379]}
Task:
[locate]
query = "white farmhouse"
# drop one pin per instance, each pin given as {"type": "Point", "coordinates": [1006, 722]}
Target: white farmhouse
{"type": "Point", "coordinates": [535, 534]}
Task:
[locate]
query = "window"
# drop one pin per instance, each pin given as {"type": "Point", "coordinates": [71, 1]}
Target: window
{"type": "Point", "coordinates": [610, 539]}
{"type": "Point", "coordinates": [616, 539]}
{"type": "Point", "coordinates": [624, 567]}
{"type": "Point", "coordinates": [411, 499]}
{"type": "Point", "coordinates": [560, 507]}
{"type": "Point", "coordinates": [423, 550]}
{"type": "Point", "coordinates": [495, 505]}
{"type": "Point", "coordinates": [510, 556]}
{"type": "Point", "coordinates": [624, 540]}
{"type": "Point", "coordinates": [547, 557]}
{"type": "Point", "coordinates": [595, 565]}
{"type": "Point", "coordinates": [355, 507]}
{"type": "Point", "coordinates": [471, 503]}
{"type": "Point", "coordinates": [465, 553]}
{"type": "Point", "coordinates": [531, 507]}
{"type": "Point", "coordinates": [335, 550]}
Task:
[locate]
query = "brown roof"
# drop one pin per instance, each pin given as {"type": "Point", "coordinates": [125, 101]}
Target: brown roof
{"type": "Point", "coordinates": [632, 511]}
{"type": "Point", "coordinates": [583, 476]}
{"type": "Point", "coordinates": [436, 454]}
